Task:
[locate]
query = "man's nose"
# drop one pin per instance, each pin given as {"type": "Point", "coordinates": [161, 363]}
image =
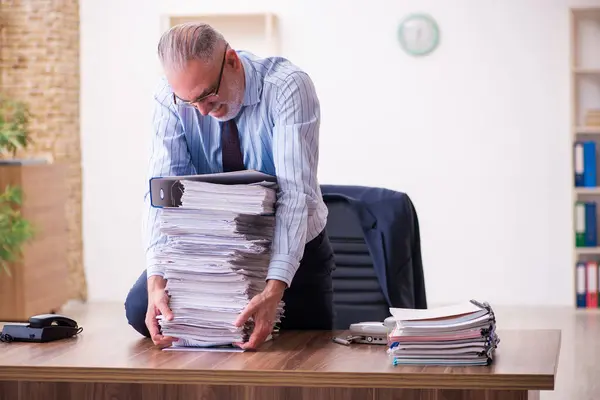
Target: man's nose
{"type": "Point", "coordinates": [205, 107]}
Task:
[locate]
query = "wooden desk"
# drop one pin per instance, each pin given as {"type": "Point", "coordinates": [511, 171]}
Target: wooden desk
{"type": "Point", "coordinates": [109, 361]}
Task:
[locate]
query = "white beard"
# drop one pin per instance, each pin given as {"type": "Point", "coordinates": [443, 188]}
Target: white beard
{"type": "Point", "coordinates": [235, 105]}
{"type": "Point", "coordinates": [232, 111]}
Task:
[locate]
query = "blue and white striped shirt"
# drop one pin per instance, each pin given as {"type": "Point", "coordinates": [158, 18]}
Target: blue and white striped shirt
{"type": "Point", "coordinates": [279, 133]}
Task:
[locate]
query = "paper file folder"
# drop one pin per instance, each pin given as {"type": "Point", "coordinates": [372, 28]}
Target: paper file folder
{"type": "Point", "coordinates": [581, 274]}
{"type": "Point", "coordinates": [592, 284]}
{"type": "Point", "coordinates": [589, 164]}
{"type": "Point", "coordinates": [580, 221]}
{"type": "Point", "coordinates": [219, 230]}
{"type": "Point", "coordinates": [591, 232]}
{"type": "Point", "coordinates": [579, 164]}
{"type": "Point", "coordinates": [166, 191]}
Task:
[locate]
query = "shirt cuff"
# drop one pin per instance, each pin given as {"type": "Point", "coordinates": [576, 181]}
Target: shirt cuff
{"type": "Point", "coordinates": [154, 271]}
{"type": "Point", "coordinates": [283, 268]}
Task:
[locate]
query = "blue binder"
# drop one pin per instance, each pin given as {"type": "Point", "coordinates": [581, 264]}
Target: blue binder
{"type": "Point", "coordinates": [589, 164]}
{"type": "Point", "coordinates": [591, 227]}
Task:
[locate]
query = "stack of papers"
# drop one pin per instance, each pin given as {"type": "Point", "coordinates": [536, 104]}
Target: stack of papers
{"type": "Point", "coordinates": [216, 259]}
{"type": "Point", "coordinates": [461, 334]}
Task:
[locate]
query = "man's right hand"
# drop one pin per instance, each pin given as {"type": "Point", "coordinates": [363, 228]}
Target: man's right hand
{"type": "Point", "coordinates": [158, 304]}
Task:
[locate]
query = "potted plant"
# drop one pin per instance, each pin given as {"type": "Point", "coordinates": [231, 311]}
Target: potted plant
{"type": "Point", "coordinates": [14, 229]}
{"type": "Point", "coordinates": [33, 230]}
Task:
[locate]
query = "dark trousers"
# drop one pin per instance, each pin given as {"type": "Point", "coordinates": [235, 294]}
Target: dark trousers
{"type": "Point", "coordinates": [308, 300]}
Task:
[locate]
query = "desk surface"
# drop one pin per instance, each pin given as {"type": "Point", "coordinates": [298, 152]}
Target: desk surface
{"type": "Point", "coordinates": [110, 351]}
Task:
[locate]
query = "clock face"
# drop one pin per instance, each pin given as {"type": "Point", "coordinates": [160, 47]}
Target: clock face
{"type": "Point", "coordinates": [418, 34]}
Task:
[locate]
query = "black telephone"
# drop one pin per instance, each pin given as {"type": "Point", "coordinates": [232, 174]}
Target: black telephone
{"type": "Point", "coordinates": [41, 328]}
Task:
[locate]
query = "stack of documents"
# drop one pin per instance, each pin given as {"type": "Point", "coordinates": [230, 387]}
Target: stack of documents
{"type": "Point", "coordinates": [215, 259]}
{"type": "Point", "coordinates": [461, 334]}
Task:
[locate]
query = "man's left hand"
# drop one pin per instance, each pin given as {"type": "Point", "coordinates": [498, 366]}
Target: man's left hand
{"type": "Point", "coordinates": [263, 308]}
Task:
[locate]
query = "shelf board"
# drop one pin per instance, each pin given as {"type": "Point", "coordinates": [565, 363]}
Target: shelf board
{"type": "Point", "coordinates": [586, 71]}
{"type": "Point", "coordinates": [587, 250]}
{"type": "Point", "coordinates": [594, 130]}
{"type": "Point", "coordinates": [587, 190]}
{"type": "Point", "coordinates": [586, 12]}
{"type": "Point", "coordinates": [584, 310]}
{"type": "Point", "coordinates": [254, 31]}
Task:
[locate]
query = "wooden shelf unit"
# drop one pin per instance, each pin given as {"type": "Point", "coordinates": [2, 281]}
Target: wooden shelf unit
{"type": "Point", "coordinates": [585, 96]}
{"type": "Point", "coordinates": [257, 33]}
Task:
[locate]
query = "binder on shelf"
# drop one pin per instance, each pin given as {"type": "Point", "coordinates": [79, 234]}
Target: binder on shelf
{"type": "Point", "coordinates": [585, 163]}
{"type": "Point", "coordinates": [589, 164]}
{"type": "Point", "coordinates": [580, 224]}
{"type": "Point", "coordinates": [592, 284]}
{"type": "Point", "coordinates": [591, 234]}
{"type": "Point", "coordinates": [578, 163]}
{"type": "Point", "coordinates": [586, 226]}
{"type": "Point", "coordinates": [581, 295]}
{"type": "Point", "coordinates": [166, 191]}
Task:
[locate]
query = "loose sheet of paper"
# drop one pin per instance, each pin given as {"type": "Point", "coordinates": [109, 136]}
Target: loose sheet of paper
{"type": "Point", "coordinates": [190, 345]}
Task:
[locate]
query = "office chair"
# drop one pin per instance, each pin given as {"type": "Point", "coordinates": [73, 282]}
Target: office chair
{"type": "Point", "coordinates": [375, 237]}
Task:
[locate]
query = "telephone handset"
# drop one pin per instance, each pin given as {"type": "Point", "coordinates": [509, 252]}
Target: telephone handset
{"type": "Point", "coordinates": [370, 332]}
{"type": "Point", "coordinates": [41, 328]}
{"type": "Point", "coordinates": [43, 320]}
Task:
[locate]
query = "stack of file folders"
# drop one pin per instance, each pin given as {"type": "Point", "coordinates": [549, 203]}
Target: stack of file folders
{"type": "Point", "coordinates": [215, 259]}
{"type": "Point", "coordinates": [460, 334]}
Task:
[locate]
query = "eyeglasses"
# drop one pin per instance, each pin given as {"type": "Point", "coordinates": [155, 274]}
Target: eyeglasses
{"type": "Point", "coordinates": [180, 102]}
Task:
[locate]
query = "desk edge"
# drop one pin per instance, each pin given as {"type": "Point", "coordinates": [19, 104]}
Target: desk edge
{"type": "Point", "coordinates": [278, 378]}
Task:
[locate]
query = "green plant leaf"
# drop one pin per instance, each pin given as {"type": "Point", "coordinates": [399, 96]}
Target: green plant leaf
{"type": "Point", "coordinates": [15, 230]}
{"type": "Point", "coordinates": [5, 268]}
{"type": "Point", "coordinates": [14, 125]}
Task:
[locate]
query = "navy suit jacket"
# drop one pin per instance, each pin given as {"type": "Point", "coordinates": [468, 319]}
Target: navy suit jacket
{"type": "Point", "coordinates": [391, 230]}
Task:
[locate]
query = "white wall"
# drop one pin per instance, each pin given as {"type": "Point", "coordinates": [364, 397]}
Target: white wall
{"type": "Point", "coordinates": [477, 133]}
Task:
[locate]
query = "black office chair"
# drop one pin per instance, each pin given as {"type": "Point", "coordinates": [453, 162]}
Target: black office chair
{"type": "Point", "coordinates": [390, 219]}
{"type": "Point", "coordinates": [357, 293]}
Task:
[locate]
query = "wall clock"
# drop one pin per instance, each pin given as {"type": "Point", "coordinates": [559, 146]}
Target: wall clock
{"type": "Point", "coordinates": [418, 34]}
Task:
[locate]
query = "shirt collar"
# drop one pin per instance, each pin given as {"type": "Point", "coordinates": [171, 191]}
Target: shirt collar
{"type": "Point", "coordinates": [253, 82]}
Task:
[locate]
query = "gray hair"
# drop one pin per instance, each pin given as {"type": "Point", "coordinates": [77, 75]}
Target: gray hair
{"type": "Point", "coordinates": [188, 41]}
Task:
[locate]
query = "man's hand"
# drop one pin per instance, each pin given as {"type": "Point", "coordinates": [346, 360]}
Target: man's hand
{"type": "Point", "coordinates": [262, 308]}
{"type": "Point", "coordinates": [158, 303]}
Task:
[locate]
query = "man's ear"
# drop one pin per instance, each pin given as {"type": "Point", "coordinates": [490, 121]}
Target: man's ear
{"type": "Point", "coordinates": [232, 59]}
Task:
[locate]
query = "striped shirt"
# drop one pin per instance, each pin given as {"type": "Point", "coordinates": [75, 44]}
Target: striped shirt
{"type": "Point", "coordinates": [279, 134]}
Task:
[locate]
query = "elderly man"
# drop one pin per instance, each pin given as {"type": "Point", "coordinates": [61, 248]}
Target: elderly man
{"type": "Point", "coordinates": [218, 109]}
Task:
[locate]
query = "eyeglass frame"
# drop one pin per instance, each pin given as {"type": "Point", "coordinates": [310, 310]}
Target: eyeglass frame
{"type": "Point", "coordinates": [179, 101]}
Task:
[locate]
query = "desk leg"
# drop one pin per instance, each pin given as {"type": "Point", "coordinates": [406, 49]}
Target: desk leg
{"type": "Point", "coordinates": [150, 391]}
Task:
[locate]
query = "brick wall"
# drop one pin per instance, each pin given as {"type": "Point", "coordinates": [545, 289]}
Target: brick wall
{"type": "Point", "coordinates": [39, 64]}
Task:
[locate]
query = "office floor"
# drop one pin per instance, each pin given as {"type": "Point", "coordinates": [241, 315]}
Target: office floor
{"type": "Point", "coordinates": [579, 363]}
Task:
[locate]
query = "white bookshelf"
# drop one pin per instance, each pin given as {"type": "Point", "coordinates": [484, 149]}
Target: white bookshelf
{"type": "Point", "coordinates": [585, 97]}
{"type": "Point", "coordinates": [257, 33]}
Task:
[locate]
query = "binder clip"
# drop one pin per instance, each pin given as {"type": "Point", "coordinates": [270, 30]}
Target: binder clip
{"type": "Point", "coordinates": [485, 306]}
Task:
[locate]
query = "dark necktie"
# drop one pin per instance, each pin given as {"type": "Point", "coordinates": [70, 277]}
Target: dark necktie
{"type": "Point", "coordinates": [230, 144]}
